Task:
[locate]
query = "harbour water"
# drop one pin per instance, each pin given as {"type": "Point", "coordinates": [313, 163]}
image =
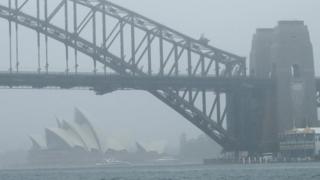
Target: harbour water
{"type": "Point", "coordinates": [302, 171]}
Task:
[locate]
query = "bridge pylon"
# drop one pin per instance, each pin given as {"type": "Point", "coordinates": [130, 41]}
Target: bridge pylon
{"type": "Point", "coordinates": [284, 54]}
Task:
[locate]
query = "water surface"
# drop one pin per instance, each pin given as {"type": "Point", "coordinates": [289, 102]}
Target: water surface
{"type": "Point", "coordinates": [302, 171]}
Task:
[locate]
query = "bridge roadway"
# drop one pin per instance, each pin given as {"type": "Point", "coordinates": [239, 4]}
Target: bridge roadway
{"type": "Point", "coordinates": [102, 83]}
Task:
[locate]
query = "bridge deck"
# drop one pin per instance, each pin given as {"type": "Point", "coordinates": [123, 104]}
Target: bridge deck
{"type": "Point", "coordinates": [101, 82]}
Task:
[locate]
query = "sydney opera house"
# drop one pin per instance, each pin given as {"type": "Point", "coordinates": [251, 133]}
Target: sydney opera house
{"type": "Point", "coordinates": [78, 143]}
{"type": "Point", "coordinates": [73, 143]}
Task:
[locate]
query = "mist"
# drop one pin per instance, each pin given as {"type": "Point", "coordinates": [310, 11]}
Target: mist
{"type": "Point", "coordinates": [136, 115]}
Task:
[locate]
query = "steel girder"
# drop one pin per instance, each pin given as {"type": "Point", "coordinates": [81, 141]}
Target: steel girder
{"type": "Point", "coordinates": [174, 50]}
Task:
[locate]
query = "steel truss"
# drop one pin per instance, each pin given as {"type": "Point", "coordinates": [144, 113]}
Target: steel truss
{"type": "Point", "coordinates": [132, 45]}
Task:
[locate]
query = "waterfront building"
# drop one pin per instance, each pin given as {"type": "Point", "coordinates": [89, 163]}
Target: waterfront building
{"type": "Point", "coordinates": [300, 143]}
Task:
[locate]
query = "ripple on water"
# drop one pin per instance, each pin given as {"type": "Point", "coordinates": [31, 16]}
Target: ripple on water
{"type": "Point", "coordinates": [308, 171]}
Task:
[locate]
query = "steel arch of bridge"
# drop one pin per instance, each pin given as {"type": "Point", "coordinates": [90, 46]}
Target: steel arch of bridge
{"type": "Point", "coordinates": [148, 42]}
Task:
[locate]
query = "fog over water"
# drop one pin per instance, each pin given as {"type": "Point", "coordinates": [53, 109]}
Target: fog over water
{"type": "Point", "coordinates": [134, 115]}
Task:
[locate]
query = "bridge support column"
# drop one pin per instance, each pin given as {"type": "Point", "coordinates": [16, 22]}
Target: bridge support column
{"type": "Point", "coordinates": [250, 120]}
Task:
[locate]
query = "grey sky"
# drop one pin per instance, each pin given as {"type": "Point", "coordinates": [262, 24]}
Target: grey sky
{"type": "Point", "coordinates": [131, 115]}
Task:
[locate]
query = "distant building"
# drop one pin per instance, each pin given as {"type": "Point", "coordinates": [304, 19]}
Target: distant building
{"type": "Point", "coordinates": [195, 150]}
{"type": "Point", "coordinates": [141, 155]}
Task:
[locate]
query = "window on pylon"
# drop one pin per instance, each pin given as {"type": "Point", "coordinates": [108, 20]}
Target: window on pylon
{"type": "Point", "coordinates": [295, 71]}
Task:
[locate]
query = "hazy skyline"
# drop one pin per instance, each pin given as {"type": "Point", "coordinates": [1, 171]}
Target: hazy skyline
{"type": "Point", "coordinates": [135, 115]}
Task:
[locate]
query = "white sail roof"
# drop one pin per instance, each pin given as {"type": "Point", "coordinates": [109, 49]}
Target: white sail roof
{"type": "Point", "coordinates": [38, 142]}
{"type": "Point", "coordinates": [78, 133]}
{"type": "Point", "coordinates": [86, 131]}
{"type": "Point", "coordinates": [66, 136]}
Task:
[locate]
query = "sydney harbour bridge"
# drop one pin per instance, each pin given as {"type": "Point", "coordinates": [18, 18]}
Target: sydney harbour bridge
{"type": "Point", "coordinates": [123, 50]}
